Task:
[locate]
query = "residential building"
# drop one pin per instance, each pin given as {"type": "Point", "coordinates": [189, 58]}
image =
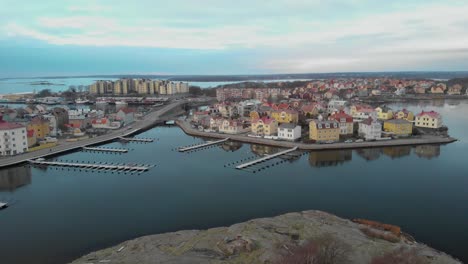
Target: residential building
{"type": "Point", "coordinates": [428, 119]}
{"type": "Point", "coordinates": [126, 116]}
{"type": "Point", "coordinates": [230, 126]}
{"type": "Point", "coordinates": [384, 113]}
{"type": "Point", "coordinates": [455, 89]}
{"type": "Point", "coordinates": [289, 132]}
{"type": "Point", "coordinates": [13, 138]}
{"type": "Point", "coordinates": [404, 114]}
{"type": "Point", "coordinates": [285, 116]}
{"type": "Point", "coordinates": [40, 126]}
{"type": "Point", "coordinates": [439, 88]}
{"type": "Point", "coordinates": [362, 112]}
{"type": "Point", "coordinates": [345, 121]}
{"type": "Point", "coordinates": [264, 126]}
{"type": "Point", "coordinates": [335, 106]}
{"type": "Point", "coordinates": [322, 131]}
{"type": "Point", "coordinates": [53, 127]}
{"type": "Point", "coordinates": [370, 129]}
{"type": "Point", "coordinates": [398, 127]}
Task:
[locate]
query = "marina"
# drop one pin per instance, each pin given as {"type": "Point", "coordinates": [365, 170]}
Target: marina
{"type": "Point", "coordinates": [141, 140]}
{"type": "Point", "coordinates": [110, 150]}
{"type": "Point", "coordinates": [93, 166]}
{"type": "Point", "coordinates": [203, 145]}
{"type": "Point", "coordinates": [266, 158]}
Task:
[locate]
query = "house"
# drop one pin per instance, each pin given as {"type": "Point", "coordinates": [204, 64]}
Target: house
{"type": "Point", "coordinates": [384, 113]}
{"type": "Point", "coordinates": [335, 106]}
{"type": "Point", "coordinates": [398, 127]}
{"type": "Point", "coordinates": [345, 121]}
{"type": "Point", "coordinates": [439, 88]}
{"type": "Point", "coordinates": [285, 116]}
{"type": "Point", "coordinates": [215, 123]}
{"type": "Point", "coordinates": [455, 89]}
{"type": "Point", "coordinates": [104, 123]}
{"type": "Point", "coordinates": [362, 112]}
{"type": "Point", "coordinates": [13, 138]}
{"type": "Point", "coordinates": [126, 115]}
{"type": "Point", "coordinates": [418, 89]}
{"type": "Point", "coordinates": [370, 129]}
{"type": "Point", "coordinates": [310, 110]}
{"type": "Point", "coordinates": [53, 128]}
{"type": "Point", "coordinates": [264, 126]}
{"type": "Point", "coordinates": [231, 126]}
{"type": "Point", "coordinates": [428, 119]}
{"type": "Point", "coordinates": [40, 126]}
{"type": "Point", "coordinates": [323, 131]}
{"type": "Point", "coordinates": [61, 115]}
{"type": "Point", "coordinates": [290, 132]}
{"type": "Point", "coordinates": [404, 114]}
{"type": "Point", "coordinates": [198, 116]}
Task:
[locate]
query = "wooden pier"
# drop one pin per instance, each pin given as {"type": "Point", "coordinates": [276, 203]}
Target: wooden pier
{"type": "Point", "coordinates": [263, 159]}
{"type": "Point", "coordinates": [95, 166]}
{"type": "Point", "coordinates": [110, 150]}
{"type": "Point", "coordinates": [143, 140]}
{"type": "Point", "coordinates": [184, 149]}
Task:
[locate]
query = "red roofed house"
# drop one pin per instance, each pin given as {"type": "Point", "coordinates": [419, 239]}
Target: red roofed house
{"type": "Point", "coordinates": [346, 122]}
{"type": "Point", "coordinates": [428, 119]}
{"type": "Point", "coordinates": [13, 138]}
{"type": "Point", "coordinates": [264, 126]}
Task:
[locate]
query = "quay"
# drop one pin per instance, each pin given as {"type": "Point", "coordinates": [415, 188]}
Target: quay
{"type": "Point", "coordinates": [143, 140]}
{"type": "Point", "coordinates": [147, 122]}
{"type": "Point", "coordinates": [413, 141]}
{"type": "Point", "coordinates": [95, 166]}
{"type": "Point", "coordinates": [266, 158]}
{"type": "Point", "coordinates": [111, 150]}
{"type": "Point", "coordinates": [184, 149]}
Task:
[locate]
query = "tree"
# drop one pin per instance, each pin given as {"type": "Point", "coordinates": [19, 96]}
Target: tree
{"type": "Point", "coordinates": [44, 93]}
{"type": "Point", "coordinates": [195, 90]}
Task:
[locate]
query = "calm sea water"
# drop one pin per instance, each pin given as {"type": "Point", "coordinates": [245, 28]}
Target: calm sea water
{"type": "Point", "coordinates": [61, 84]}
{"type": "Point", "coordinates": [59, 215]}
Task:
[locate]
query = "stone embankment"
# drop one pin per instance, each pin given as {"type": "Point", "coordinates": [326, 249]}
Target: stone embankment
{"type": "Point", "coordinates": [287, 238]}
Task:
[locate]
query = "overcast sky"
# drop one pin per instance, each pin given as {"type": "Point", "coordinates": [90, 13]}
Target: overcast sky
{"type": "Point", "coordinates": [65, 37]}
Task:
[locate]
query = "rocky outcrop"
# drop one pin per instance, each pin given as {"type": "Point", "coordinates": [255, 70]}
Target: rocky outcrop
{"type": "Point", "coordinates": [286, 238]}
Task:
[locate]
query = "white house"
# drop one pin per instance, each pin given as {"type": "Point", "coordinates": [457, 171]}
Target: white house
{"type": "Point", "coordinates": [52, 124]}
{"type": "Point", "coordinates": [126, 115]}
{"type": "Point", "coordinates": [428, 119]}
{"type": "Point", "coordinates": [289, 131]}
{"type": "Point", "coordinates": [13, 138]}
{"type": "Point", "coordinates": [370, 129]}
{"type": "Point", "coordinates": [335, 106]}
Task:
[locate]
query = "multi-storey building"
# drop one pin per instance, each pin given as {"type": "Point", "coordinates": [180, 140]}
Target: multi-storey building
{"type": "Point", "coordinates": [428, 119]}
{"type": "Point", "coordinates": [13, 138]}
{"type": "Point", "coordinates": [323, 131]}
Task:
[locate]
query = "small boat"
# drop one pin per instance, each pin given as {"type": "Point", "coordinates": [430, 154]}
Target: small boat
{"type": "Point", "coordinates": [3, 205]}
{"type": "Point", "coordinates": [81, 101]}
{"type": "Point", "coordinates": [101, 102]}
{"type": "Point", "coordinates": [121, 103]}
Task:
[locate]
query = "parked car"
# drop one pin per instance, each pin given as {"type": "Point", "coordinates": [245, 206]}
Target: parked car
{"type": "Point", "coordinates": [359, 140]}
{"type": "Point", "coordinates": [349, 141]}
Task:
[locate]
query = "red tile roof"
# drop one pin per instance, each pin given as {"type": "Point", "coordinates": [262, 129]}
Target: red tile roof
{"type": "Point", "coordinates": [432, 114]}
{"type": "Point", "coordinates": [338, 116]}
{"type": "Point", "coordinates": [7, 125]}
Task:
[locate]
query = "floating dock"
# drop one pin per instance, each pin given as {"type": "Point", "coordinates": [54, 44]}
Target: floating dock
{"type": "Point", "coordinates": [184, 149]}
{"type": "Point", "coordinates": [111, 150]}
{"type": "Point", "coordinates": [269, 157]}
{"type": "Point", "coordinates": [144, 140]}
{"type": "Point", "coordinates": [106, 167]}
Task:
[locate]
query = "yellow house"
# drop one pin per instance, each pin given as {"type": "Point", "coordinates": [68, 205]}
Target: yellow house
{"type": "Point", "coordinates": [285, 116]}
{"type": "Point", "coordinates": [40, 127]}
{"type": "Point", "coordinates": [254, 115]}
{"type": "Point", "coordinates": [384, 113]}
{"type": "Point", "coordinates": [264, 126]}
{"type": "Point", "coordinates": [404, 114]}
{"type": "Point", "coordinates": [399, 127]}
{"type": "Point", "coordinates": [322, 131]}
{"type": "Point", "coordinates": [429, 119]}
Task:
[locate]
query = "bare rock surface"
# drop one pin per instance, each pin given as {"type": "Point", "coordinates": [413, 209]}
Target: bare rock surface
{"type": "Point", "coordinates": [263, 240]}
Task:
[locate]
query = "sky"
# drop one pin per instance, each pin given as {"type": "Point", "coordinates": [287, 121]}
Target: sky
{"type": "Point", "coordinates": [92, 37]}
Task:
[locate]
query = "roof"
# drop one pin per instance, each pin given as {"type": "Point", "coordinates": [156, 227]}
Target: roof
{"type": "Point", "coordinates": [287, 126]}
{"type": "Point", "coordinates": [368, 121]}
{"type": "Point", "coordinates": [127, 110]}
{"type": "Point", "coordinates": [432, 114]}
{"type": "Point", "coordinates": [321, 124]}
{"type": "Point", "coordinates": [265, 120]}
{"type": "Point", "coordinates": [338, 116]}
{"type": "Point", "coordinates": [8, 126]}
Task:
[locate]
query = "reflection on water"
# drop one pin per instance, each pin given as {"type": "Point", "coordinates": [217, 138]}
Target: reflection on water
{"type": "Point", "coordinates": [370, 153]}
{"type": "Point", "coordinates": [397, 152]}
{"type": "Point", "coordinates": [262, 150]}
{"type": "Point", "coordinates": [231, 146]}
{"type": "Point", "coordinates": [427, 151]}
{"type": "Point", "coordinates": [329, 157]}
{"type": "Point", "coordinates": [13, 178]}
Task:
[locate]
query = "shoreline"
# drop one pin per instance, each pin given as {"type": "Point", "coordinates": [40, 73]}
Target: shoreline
{"type": "Point", "coordinates": [424, 140]}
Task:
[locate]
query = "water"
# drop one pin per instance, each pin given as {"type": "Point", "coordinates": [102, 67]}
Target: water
{"type": "Point", "coordinates": [9, 86]}
{"type": "Point", "coordinates": [59, 215]}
